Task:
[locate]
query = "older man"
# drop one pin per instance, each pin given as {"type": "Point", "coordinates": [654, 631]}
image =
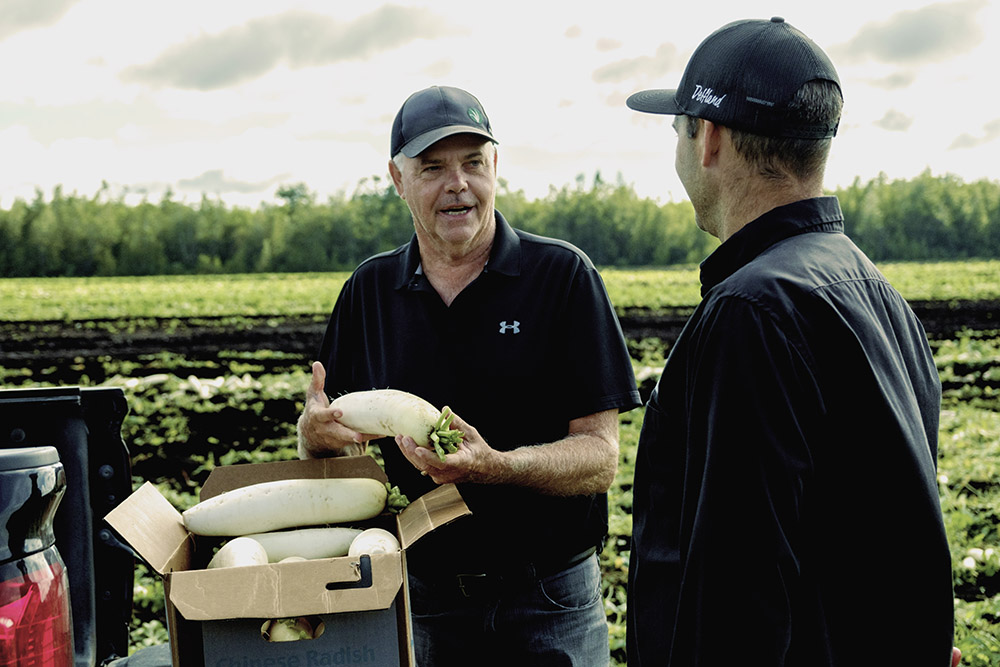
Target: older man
{"type": "Point", "coordinates": [515, 333]}
{"type": "Point", "coordinates": [792, 437]}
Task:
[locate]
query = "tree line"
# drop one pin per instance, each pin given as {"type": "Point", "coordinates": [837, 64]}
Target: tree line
{"type": "Point", "coordinates": [925, 218]}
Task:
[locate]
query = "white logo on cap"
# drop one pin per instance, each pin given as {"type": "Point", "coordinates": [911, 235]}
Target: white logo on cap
{"type": "Point", "coordinates": [707, 96]}
{"type": "Point", "coordinates": [474, 115]}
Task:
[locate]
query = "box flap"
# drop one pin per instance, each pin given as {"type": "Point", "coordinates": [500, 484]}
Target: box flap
{"type": "Point", "coordinates": [429, 512]}
{"type": "Point", "coordinates": [225, 478]}
{"type": "Point", "coordinates": [283, 590]}
{"type": "Point", "coordinates": [151, 525]}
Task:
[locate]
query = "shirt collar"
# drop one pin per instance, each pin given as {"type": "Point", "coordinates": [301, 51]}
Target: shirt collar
{"type": "Point", "coordinates": [505, 255]}
{"type": "Point", "coordinates": [821, 214]}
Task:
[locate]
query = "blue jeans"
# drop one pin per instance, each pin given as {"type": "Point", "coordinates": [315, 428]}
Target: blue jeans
{"type": "Point", "coordinates": [554, 621]}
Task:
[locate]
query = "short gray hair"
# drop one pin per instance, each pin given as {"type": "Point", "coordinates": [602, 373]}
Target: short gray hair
{"type": "Point", "coordinates": [818, 102]}
{"type": "Point", "coordinates": [400, 160]}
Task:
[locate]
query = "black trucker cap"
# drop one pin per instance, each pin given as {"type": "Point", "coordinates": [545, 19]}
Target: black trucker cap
{"type": "Point", "coordinates": [429, 115]}
{"type": "Point", "coordinates": [743, 76]}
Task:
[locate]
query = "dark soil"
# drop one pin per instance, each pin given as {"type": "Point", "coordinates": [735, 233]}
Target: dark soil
{"type": "Point", "coordinates": [41, 344]}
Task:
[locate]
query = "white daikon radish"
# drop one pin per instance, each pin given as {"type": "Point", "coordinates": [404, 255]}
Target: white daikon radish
{"type": "Point", "coordinates": [289, 503]}
{"type": "Point", "coordinates": [374, 541]}
{"type": "Point", "coordinates": [308, 543]}
{"type": "Point", "coordinates": [239, 552]}
{"type": "Point", "coordinates": [394, 412]}
{"type": "Point", "coordinates": [289, 629]}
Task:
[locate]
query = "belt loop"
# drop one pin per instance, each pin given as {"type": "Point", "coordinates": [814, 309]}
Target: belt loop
{"type": "Point", "coordinates": [467, 584]}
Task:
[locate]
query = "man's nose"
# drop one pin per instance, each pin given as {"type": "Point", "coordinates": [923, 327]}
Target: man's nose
{"type": "Point", "coordinates": [457, 182]}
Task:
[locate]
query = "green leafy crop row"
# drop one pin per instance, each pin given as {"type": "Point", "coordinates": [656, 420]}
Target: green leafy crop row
{"type": "Point", "coordinates": [188, 415]}
{"type": "Point", "coordinates": [191, 413]}
{"type": "Point", "coordinates": [94, 302]}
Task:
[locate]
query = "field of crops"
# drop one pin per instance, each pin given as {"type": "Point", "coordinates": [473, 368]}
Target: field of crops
{"type": "Point", "coordinates": [289, 294]}
{"type": "Point", "coordinates": [194, 406]}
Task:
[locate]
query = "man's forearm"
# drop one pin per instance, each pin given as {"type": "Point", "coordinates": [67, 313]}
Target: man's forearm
{"type": "Point", "coordinates": [583, 463]}
{"type": "Point", "coordinates": [579, 464]}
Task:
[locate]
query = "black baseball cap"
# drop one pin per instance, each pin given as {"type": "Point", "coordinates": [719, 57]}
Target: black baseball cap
{"type": "Point", "coordinates": [743, 76]}
{"type": "Point", "coordinates": [428, 116]}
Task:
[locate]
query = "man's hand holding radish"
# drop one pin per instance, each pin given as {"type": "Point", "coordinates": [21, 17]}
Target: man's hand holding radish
{"type": "Point", "coordinates": [471, 463]}
{"type": "Point", "coordinates": [320, 434]}
{"type": "Point", "coordinates": [583, 462]}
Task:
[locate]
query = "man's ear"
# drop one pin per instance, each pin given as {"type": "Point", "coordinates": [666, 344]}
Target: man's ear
{"type": "Point", "coordinates": [397, 179]}
{"type": "Point", "coordinates": [711, 142]}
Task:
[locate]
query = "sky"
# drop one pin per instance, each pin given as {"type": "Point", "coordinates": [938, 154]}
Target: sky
{"type": "Point", "coordinates": [235, 99]}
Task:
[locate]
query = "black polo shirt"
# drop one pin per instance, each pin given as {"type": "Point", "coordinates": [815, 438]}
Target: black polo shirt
{"type": "Point", "coordinates": [530, 344]}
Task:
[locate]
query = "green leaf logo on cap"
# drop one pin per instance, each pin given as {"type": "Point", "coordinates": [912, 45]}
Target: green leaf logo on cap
{"type": "Point", "coordinates": [474, 115]}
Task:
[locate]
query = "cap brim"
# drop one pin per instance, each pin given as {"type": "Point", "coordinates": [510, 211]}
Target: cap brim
{"type": "Point", "coordinates": [655, 101]}
{"type": "Point", "coordinates": [419, 144]}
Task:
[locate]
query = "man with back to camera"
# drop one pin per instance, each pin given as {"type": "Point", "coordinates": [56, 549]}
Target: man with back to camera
{"type": "Point", "coordinates": [516, 334]}
{"type": "Point", "coordinates": [792, 436]}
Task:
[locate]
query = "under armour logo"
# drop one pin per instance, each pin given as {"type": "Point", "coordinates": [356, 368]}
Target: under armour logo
{"type": "Point", "coordinates": [513, 328]}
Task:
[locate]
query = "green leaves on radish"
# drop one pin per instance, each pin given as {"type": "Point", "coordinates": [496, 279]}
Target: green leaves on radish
{"type": "Point", "coordinates": [397, 500]}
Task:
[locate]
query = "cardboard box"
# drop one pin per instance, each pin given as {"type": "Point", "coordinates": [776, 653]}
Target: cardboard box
{"type": "Point", "coordinates": [215, 617]}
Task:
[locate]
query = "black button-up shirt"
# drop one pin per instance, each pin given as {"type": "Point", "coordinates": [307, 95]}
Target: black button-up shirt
{"type": "Point", "coordinates": [789, 446]}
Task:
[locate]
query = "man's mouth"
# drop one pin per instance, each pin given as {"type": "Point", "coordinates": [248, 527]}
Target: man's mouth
{"type": "Point", "coordinates": [456, 210]}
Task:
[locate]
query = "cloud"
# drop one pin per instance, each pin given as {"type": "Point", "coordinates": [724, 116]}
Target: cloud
{"type": "Point", "coordinates": [17, 15]}
{"type": "Point", "coordinates": [932, 33]}
{"type": "Point", "coordinates": [991, 131]}
{"type": "Point", "coordinates": [95, 119]}
{"type": "Point", "coordinates": [439, 69]}
{"type": "Point", "coordinates": [213, 181]}
{"type": "Point", "coordinates": [144, 121]}
{"type": "Point", "coordinates": [643, 67]}
{"type": "Point", "coordinates": [894, 121]}
{"type": "Point", "coordinates": [296, 39]}
{"type": "Point", "coordinates": [607, 44]}
{"type": "Point", "coordinates": [895, 81]}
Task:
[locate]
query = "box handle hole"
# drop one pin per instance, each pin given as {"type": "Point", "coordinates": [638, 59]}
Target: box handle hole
{"type": "Point", "coordinates": [292, 629]}
{"type": "Point", "coordinates": [365, 581]}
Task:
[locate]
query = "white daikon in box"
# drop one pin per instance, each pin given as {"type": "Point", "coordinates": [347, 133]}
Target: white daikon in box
{"type": "Point", "coordinates": [353, 609]}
